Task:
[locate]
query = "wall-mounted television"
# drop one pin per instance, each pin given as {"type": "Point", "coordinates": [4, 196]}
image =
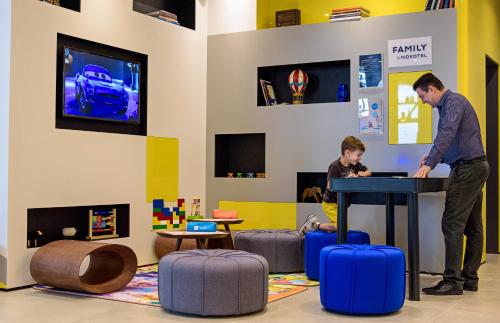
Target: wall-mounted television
{"type": "Point", "coordinates": [100, 87]}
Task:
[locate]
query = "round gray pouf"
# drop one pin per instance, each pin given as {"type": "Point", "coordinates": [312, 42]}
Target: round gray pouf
{"type": "Point", "coordinates": [283, 249]}
{"type": "Point", "coordinates": [213, 282]}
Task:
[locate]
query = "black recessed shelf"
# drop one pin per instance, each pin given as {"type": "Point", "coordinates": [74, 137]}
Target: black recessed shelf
{"type": "Point", "coordinates": [324, 79]}
{"type": "Point", "coordinates": [310, 187]}
{"type": "Point", "coordinates": [240, 153]}
{"type": "Point", "coordinates": [184, 9]}
{"type": "Point", "coordinates": [68, 4]}
{"type": "Point", "coordinates": [51, 221]}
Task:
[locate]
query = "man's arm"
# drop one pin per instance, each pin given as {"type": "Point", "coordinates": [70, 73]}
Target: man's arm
{"type": "Point", "coordinates": [449, 121]}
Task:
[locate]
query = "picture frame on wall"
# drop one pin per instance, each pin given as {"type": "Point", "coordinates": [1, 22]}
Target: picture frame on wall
{"type": "Point", "coordinates": [371, 115]}
{"type": "Point", "coordinates": [371, 71]}
{"type": "Point", "coordinates": [268, 92]}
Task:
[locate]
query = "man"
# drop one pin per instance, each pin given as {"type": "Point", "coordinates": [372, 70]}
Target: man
{"type": "Point", "coordinates": [458, 144]}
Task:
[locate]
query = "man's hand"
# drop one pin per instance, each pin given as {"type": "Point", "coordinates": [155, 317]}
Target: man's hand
{"type": "Point", "coordinates": [423, 160]}
{"type": "Point", "coordinates": [422, 172]}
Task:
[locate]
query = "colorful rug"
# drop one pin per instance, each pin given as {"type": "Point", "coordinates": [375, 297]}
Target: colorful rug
{"type": "Point", "coordinates": [143, 289]}
{"type": "Point", "coordinates": [292, 279]}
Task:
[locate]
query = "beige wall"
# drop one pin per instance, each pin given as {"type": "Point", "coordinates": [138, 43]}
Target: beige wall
{"type": "Point", "coordinates": [229, 16]}
{"type": "Point", "coordinates": [53, 167]}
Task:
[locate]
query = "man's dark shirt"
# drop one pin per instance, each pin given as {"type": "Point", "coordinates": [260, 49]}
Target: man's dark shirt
{"type": "Point", "coordinates": [459, 135]}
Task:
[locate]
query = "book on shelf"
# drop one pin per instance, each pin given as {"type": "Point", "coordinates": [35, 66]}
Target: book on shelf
{"type": "Point", "coordinates": [351, 9]}
{"type": "Point", "coordinates": [172, 21]}
{"type": "Point", "coordinates": [439, 4]}
{"type": "Point", "coordinates": [162, 13]}
{"type": "Point", "coordinates": [352, 14]}
{"type": "Point", "coordinates": [347, 14]}
{"type": "Point", "coordinates": [346, 19]}
{"type": "Point", "coordinates": [268, 92]}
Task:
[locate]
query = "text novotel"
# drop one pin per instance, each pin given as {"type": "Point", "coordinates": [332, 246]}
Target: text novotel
{"type": "Point", "coordinates": [410, 51]}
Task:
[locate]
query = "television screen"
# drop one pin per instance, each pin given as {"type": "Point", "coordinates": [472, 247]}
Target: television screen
{"type": "Point", "coordinates": [100, 87]}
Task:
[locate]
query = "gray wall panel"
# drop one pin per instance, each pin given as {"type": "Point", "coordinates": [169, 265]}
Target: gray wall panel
{"type": "Point", "coordinates": [307, 137]}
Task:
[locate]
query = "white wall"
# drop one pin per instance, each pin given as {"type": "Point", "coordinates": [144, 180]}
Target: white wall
{"type": "Point", "coordinates": [52, 167]}
{"type": "Point", "coordinates": [229, 16]}
{"type": "Point", "coordinates": [5, 21]}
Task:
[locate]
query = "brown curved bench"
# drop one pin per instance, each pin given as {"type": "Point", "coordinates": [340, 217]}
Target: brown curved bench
{"type": "Point", "coordinates": [58, 263]}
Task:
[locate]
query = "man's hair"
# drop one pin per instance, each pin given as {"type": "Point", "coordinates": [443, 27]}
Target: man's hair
{"type": "Point", "coordinates": [425, 80]}
{"type": "Point", "coordinates": [352, 143]}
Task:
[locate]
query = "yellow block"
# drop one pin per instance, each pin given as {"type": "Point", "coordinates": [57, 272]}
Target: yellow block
{"type": "Point", "coordinates": [318, 11]}
{"type": "Point", "coordinates": [162, 174]}
{"type": "Point", "coordinates": [410, 121]}
{"type": "Point", "coordinates": [263, 215]}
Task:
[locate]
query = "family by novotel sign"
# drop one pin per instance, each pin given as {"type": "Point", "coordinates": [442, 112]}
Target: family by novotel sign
{"type": "Point", "coordinates": [410, 51]}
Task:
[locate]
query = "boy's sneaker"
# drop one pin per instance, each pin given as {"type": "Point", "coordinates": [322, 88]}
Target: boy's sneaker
{"type": "Point", "coordinates": [311, 223]}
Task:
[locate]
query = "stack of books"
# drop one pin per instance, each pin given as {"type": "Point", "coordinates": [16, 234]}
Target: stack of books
{"type": "Point", "coordinates": [165, 16]}
{"type": "Point", "coordinates": [346, 14]}
{"type": "Point", "coordinates": [439, 4]}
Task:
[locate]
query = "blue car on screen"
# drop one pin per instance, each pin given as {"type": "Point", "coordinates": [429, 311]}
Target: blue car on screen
{"type": "Point", "coordinates": [96, 93]}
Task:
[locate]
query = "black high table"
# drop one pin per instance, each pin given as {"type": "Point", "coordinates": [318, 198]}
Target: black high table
{"type": "Point", "coordinates": [392, 187]}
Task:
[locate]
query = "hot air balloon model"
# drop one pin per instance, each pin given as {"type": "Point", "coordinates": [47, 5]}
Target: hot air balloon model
{"type": "Point", "coordinates": [297, 80]}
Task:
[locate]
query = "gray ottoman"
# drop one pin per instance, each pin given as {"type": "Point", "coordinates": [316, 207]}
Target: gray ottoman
{"type": "Point", "coordinates": [283, 249]}
{"type": "Point", "coordinates": [213, 282]}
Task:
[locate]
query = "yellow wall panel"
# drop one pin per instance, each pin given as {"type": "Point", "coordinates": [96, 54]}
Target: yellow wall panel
{"type": "Point", "coordinates": [162, 174]}
{"type": "Point", "coordinates": [263, 215]}
{"type": "Point", "coordinates": [479, 35]}
{"type": "Point", "coordinates": [317, 11]}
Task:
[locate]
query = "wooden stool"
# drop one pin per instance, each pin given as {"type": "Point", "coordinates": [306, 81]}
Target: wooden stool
{"type": "Point", "coordinates": [58, 263]}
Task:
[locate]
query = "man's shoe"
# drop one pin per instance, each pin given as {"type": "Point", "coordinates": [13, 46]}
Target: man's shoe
{"type": "Point", "coordinates": [443, 288]}
{"type": "Point", "coordinates": [470, 287]}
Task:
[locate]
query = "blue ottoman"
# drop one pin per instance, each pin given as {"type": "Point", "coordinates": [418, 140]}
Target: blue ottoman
{"type": "Point", "coordinates": [317, 240]}
{"type": "Point", "coordinates": [362, 279]}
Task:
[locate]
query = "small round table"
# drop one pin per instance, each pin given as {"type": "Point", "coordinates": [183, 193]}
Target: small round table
{"type": "Point", "coordinates": [200, 237]}
{"type": "Point", "coordinates": [226, 242]}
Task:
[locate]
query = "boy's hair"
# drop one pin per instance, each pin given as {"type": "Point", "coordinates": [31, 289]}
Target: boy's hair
{"type": "Point", "coordinates": [425, 80]}
{"type": "Point", "coordinates": [352, 143]}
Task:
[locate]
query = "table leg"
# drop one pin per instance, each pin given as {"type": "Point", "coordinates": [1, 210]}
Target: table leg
{"type": "Point", "coordinates": [200, 243]}
{"type": "Point", "coordinates": [341, 218]}
{"type": "Point", "coordinates": [222, 243]}
{"type": "Point", "coordinates": [390, 236]}
{"type": "Point", "coordinates": [413, 248]}
{"type": "Point", "coordinates": [178, 244]}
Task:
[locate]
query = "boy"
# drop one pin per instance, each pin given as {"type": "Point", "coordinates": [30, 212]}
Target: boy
{"type": "Point", "coordinates": [347, 165]}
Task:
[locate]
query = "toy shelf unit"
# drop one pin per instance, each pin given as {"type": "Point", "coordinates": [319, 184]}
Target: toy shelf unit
{"type": "Point", "coordinates": [83, 223]}
{"type": "Point", "coordinates": [102, 224]}
{"type": "Point", "coordinates": [240, 155]}
{"type": "Point", "coordinates": [326, 82]}
{"type": "Point", "coordinates": [177, 12]}
{"type": "Point", "coordinates": [68, 4]}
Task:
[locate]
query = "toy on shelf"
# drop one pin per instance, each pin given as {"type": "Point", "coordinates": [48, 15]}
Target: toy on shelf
{"type": "Point", "coordinates": [33, 238]}
{"type": "Point", "coordinates": [195, 209]}
{"type": "Point", "coordinates": [297, 80]}
{"type": "Point", "coordinates": [342, 93]}
{"type": "Point", "coordinates": [69, 232]}
{"type": "Point", "coordinates": [224, 214]}
{"type": "Point", "coordinates": [201, 227]}
{"type": "Point", "coordinates": [102, 224]}
{"type": "Point", "coordinates": [173, 214]}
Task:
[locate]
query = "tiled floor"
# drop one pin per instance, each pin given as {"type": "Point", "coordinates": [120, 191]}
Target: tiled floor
{"type": "Point", "coordinates": [484, 306]}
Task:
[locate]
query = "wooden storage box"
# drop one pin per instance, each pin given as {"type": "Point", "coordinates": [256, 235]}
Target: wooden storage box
{"type": "Point", "coordinates": [287, 17]}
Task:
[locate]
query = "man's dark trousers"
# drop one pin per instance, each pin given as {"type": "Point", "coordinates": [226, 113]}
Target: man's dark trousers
{"type": "Point", "coordinates": [463, 215]}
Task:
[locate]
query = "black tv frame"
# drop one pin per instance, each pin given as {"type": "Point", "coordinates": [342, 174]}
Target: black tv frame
{"type": "Point", "coordinates": [75, 123]}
